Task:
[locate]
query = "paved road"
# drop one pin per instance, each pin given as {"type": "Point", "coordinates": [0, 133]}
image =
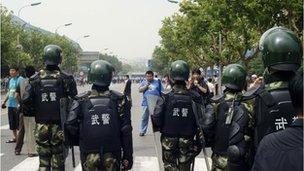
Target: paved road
{"type": "Point", "coordinates": [144, 150]}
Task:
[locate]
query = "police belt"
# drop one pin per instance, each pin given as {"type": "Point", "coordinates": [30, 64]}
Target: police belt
{"type": "Point", "coordinates": [178, 136]}
{"type": "Point", "coordinates": [42, 121]}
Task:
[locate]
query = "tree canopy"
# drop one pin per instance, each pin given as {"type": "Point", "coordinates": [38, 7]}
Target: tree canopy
{"type": "Point", "coordinates": [218, 32]}
{"type": "Point", "coordinates": [112, 59]}
{"type": "Point", "coordinates": [33, 42]}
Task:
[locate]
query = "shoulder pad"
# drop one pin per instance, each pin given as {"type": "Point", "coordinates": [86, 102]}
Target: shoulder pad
{"type": "Point", "coordinates": [252, 93]}
{"type": "Point", "coordinates": [34, 77]}
{"type": "Point", "coordinates": [195, 94]}
{"type": "Point", "coordinates": [166, 93]}
{"type": "Point", "coordinates": [83, 95]}
{"type": "Point", "coordinates": [65, 75]}
{"type": "Point", "coordinates": [261, 92]}
{"type": "Point", "coordinates": [117, 94]}
{"type": "Point", "coordinates": [217, 98]}
{"type": "Point", "coordinates": [196, 97]}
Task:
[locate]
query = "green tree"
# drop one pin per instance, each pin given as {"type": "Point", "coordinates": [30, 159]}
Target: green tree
{"type": "Point", "coordinates": [117, 64]}
{"type": "Point", "coordinates": [33, 42]}
{"type": "Point", "coordinates": [126, 68]}
{"type": "Point", "coordinates": [194, 33]}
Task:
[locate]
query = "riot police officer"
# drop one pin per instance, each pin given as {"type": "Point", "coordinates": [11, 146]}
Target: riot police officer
{"type": "Point", "coordinates": [42, 97]}
{"type": "Point", "coordinates": [101, 118]}
{"type": "Point", "coordinates": [175, 118]}
{"type": "Point", "coordinates": [281, 52]}
{"type": "Point", "coordinates": [226, 129]}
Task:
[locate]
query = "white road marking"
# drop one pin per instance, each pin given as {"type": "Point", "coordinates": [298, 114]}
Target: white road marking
{"type": "Point", "coordinates": [29, 164]}
{"type": "Point", "coordinates": [1, 154]}
{"type": "Point", "coordinates": [145, 163]}
{"type": "Point", "coordinates": [200, 164]}
{"type": "Point", "coordinates": [78, 167]}
{"type": "Point", "coordinates": [141, 163]}
{"type": "Point", "coordinates": [4, 127]}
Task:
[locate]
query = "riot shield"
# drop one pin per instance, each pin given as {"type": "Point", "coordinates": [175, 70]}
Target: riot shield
{"type": "Point", "coordinates": [65, 105]}
{"type": "Point", "coordinates": [151, 100]}
{"type": "Point", "coordinates": [199, 110]}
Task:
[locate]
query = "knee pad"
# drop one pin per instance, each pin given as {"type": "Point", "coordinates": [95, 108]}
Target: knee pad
{"type": "Point", "coordinates": [185, 150]}
{"type": "Point", "coordinates": [109, 162]}
{"type": "Point", "coordinates": [91, 162]}
{"type": "Point", "coordinates": [43, 168]}
{"type": "Point", "coordinates": [219, 163]}
{"type": "Point", "coordinates": [169, 157]}
{"type": "Point", "coordinates": [169, 143]}
{"type": "Point", "coordinates": [42, 135]}
{"type": "Point", "coordinates": [44, 162]}
{"type": "Point", "coordinates": [234, 153]}
{"type": "Point", "coordinates": [170, 167]}
{"type": "Point", "coordinates": [57, 149]}
{"type": "Point", "coordinates": [126, 130]}
{"type": "Point", "coordinates": [57, 162]}
{"type": "Point", "coordinates": [185, 145]}
{"type": "Point", "coordinates": [57, 135]}
{"type": "Point", "coordinates": [44, 151]}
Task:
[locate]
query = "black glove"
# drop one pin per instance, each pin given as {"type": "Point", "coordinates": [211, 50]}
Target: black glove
{"type": "Point", "coordinates": [197, 147]}
{"type": "Point", "coordinates": [127, 163]}
{"type": "Point", "coordinates": [3, 106]}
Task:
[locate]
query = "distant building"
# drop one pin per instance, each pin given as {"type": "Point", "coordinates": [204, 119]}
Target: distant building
{"type": "Point", "coordinates": [86, 58]}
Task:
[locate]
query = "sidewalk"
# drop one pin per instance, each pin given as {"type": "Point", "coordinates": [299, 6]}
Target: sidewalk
{"type": "Point", "coordinates": [3, 111]}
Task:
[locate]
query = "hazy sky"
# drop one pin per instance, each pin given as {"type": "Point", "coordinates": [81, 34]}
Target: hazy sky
{"type": "Point", "coordinates": [128, 28]}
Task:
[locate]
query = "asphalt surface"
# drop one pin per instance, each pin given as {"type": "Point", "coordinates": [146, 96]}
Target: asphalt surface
{"type": "Point", "coordinates": [144, 147]}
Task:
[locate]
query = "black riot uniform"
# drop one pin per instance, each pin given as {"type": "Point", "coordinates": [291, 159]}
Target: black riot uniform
{"type": "Point", "coordinates": [42, 98]}
{"type": "Point", "coordinates": [281, 52]}
{"type": "Point", "coordinates": [99, 121]}
{"type": "Point", "coordinates": [228, 128]}
{"type": "Point", "coordinates": [283, 150]}
{"type": "Point", "coordinates": [174, 116]}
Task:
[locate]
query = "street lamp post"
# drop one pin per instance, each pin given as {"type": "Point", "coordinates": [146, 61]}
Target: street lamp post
{"type": "Point", "coordinates": [77, 40]}
{"type": "Point", "coordinates": [30, 5]}
{"type": "Point", "coordinates": [64, 25]}
{"type": "Point", "coordinates": [84, 36]}
{"type": "Point", "coordinates": [19, 46]}
{"type": "Point", "coordinates": [173, 1]}
{"type": "Point", "coordinates": [220, 66]}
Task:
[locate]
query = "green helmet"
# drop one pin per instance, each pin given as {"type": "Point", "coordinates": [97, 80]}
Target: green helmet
{"type": "Point", "coordinates": [101, 73]}
{"type": "Point", "coordinates": [234, 77]}
{"type": "Point", "coordinates": [179, 71]}
{"type": "Point", "coordinates": [281, 49]}
{"type": "Point", "coordinates": [52, 55]}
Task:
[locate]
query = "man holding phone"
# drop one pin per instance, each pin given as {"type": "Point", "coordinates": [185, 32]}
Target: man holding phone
{"type": "Point", "coordinates": [153, 86]}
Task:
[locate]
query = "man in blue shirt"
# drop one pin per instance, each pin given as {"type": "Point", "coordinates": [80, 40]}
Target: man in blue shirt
{"type": "Point", "coordinates": [153, 86]}
{"type": "Point", "coordinates": [12, 102]}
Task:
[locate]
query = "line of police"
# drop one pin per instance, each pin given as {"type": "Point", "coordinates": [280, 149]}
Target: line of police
{"type": "Point", "coordinates": [98, 121]}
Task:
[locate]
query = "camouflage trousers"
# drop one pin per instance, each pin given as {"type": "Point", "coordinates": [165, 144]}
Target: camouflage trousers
{"type": "Point", "coordinates": [177, 153]}
{"type": "Point", "coordinates": [219, 162]}
{"type": "Point", "coordinates": [96, 162]}
{"type": "Point", "coordinates": [49, 139]}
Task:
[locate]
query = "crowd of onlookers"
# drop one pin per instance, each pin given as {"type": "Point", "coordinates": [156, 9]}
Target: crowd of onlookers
{"type": "Point", "coordinates": [211, 82]}
{"type": "Point", "coordinates": [22, 125]}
